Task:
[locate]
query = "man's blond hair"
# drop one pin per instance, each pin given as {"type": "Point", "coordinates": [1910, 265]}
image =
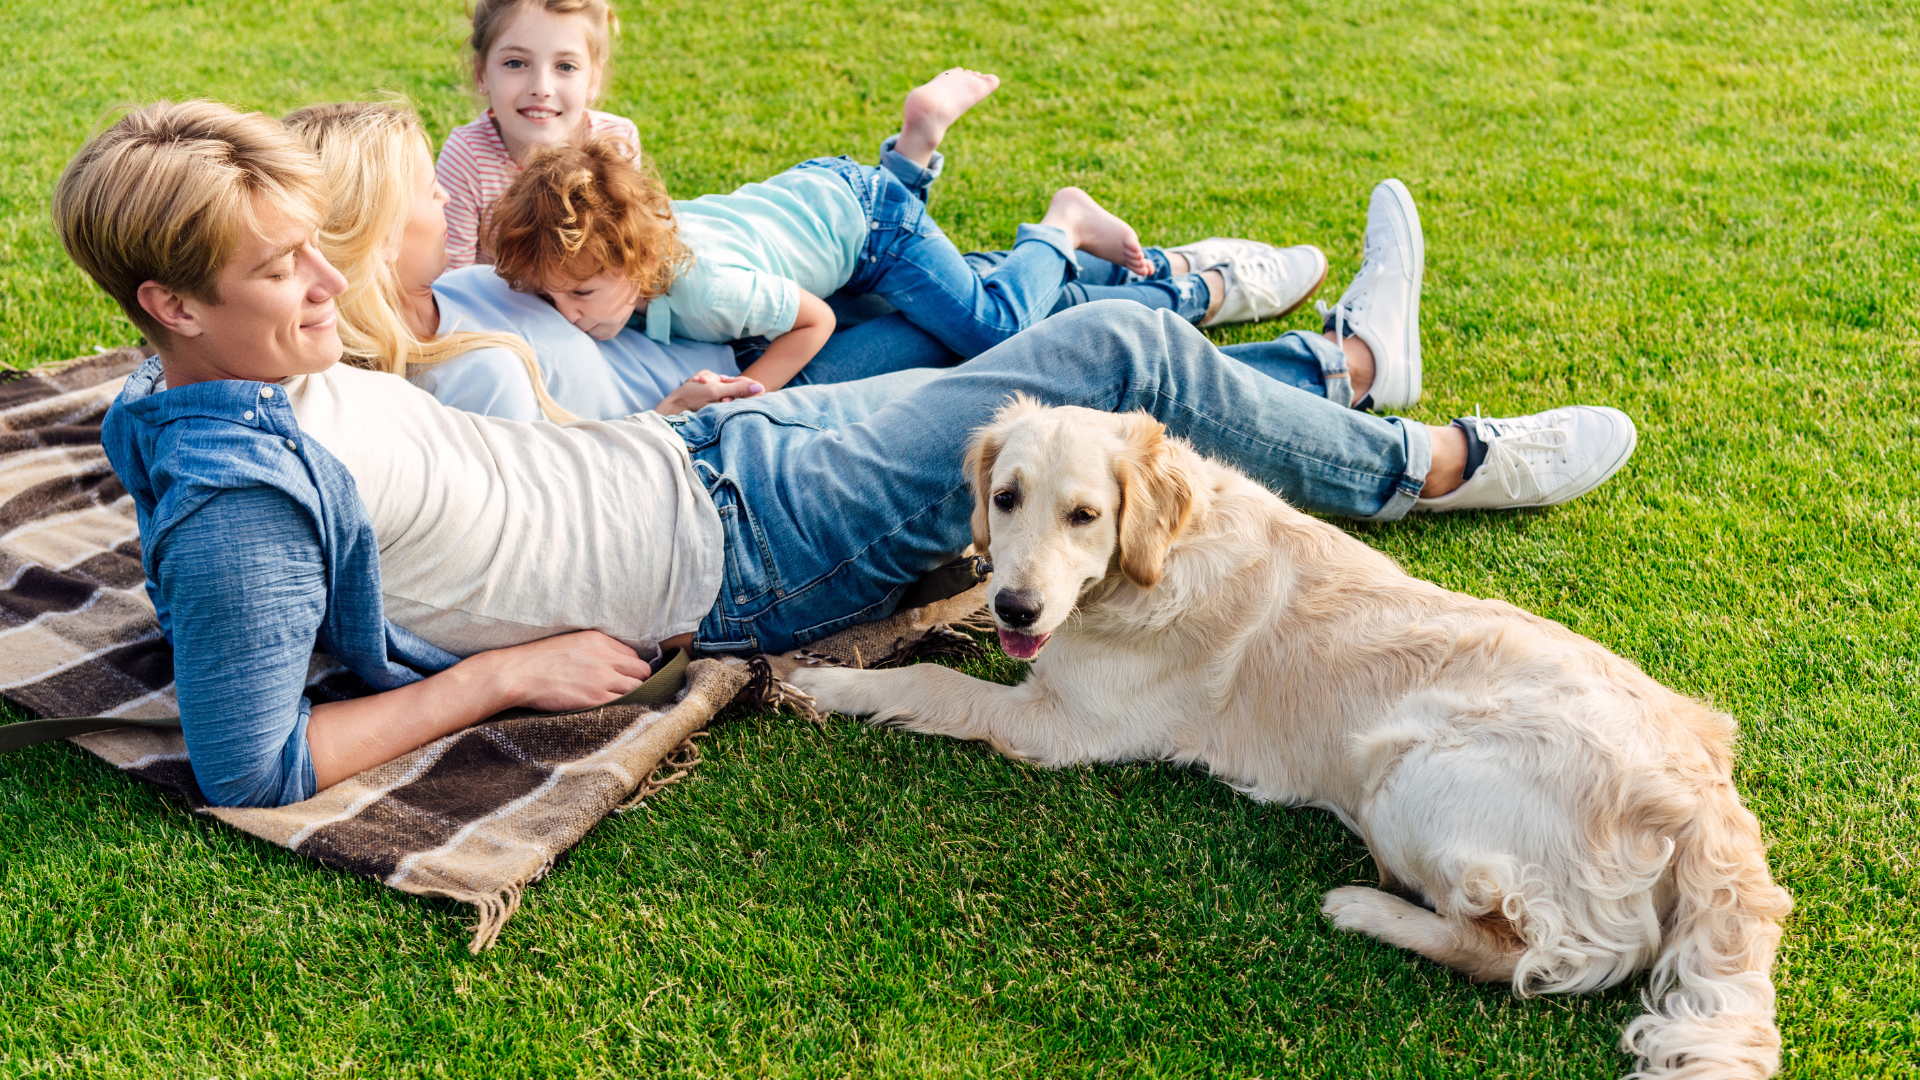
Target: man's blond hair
{"type": "Point", "coordinates": [167, 194]}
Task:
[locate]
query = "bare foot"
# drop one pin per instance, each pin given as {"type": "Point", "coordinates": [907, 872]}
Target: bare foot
{"type": "Point", "coordinates": [933, 107]}
{"type": "Point", "coordinates": [1093, 229]}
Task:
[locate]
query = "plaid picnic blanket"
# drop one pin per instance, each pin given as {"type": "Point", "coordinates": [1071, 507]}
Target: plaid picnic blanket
{"type": "Point", "coordinates": [475, 817]}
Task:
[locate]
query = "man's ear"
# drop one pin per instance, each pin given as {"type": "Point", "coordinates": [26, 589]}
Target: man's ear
{"type": "Point", "coordinates": [176, 312]}
{"type": "Point", "coordinates": [1156, 498]}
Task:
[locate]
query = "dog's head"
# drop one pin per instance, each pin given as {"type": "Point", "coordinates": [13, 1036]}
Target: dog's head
{"type": "Point", "coordinates": [1064, 498]}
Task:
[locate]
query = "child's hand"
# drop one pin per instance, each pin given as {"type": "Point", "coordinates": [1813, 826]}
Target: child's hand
{"type": "Point", "coordinates": [706, 388]}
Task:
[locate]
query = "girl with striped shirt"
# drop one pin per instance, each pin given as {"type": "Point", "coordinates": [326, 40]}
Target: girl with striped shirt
{"type": "Point", "coordinates": [539, 64]}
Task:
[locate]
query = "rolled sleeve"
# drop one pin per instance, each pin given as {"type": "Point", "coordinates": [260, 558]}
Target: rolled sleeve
{"type": "Point", "coordinates": [244, 578]}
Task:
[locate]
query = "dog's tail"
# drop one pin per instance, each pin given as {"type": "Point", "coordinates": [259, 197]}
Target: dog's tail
{"type": "Point", "coordinates": [1710, 998]}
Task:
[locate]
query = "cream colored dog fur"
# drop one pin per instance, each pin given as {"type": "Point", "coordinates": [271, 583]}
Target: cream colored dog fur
{"type": "Point", "coordinates": [1564, 819]}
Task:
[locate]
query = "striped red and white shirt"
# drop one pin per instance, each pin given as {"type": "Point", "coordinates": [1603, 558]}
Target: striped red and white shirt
{"type": "Point", "coordinates": [476, 169]}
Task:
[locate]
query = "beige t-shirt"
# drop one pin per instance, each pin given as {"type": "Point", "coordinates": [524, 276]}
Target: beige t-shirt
{"type": "Point", "coordinates": [496, 532]}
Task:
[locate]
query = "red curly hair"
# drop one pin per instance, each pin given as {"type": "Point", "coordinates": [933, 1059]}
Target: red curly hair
{"type": "Point", "coordinates": [576, 212]}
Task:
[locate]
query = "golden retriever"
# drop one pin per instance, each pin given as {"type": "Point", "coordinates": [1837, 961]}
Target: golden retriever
{"type": "Point", "coordinates": [1558, 819]}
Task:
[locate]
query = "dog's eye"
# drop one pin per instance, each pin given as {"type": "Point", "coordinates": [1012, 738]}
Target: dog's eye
{"type": "Point", "coordinates": [1005, 500]}
{"type": "Point", "coordinates": [1085, 515]}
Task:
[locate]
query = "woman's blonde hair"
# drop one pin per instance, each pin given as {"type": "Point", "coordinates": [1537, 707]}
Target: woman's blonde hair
{"type": "Point", "coordinates": [576, 212]}
{"type": "Point", "coordinates": [490, 17]}
{"type": "Point", "coordinates": [367, 150]}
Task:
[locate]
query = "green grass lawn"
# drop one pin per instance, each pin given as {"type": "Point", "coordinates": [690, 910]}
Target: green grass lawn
{"type": "Point", "coordinates": [1703, 213]}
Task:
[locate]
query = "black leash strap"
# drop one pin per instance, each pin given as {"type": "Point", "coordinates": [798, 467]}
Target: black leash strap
{"type": "Point", "coordinates": [34, 732]}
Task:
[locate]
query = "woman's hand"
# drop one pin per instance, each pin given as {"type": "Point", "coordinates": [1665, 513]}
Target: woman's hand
{"type": "Point", "coordinates": [581, 670]}
{"type": "Point", "coordinates": [706, 388]}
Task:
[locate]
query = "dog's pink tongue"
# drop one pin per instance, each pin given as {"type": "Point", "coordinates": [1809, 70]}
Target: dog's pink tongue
{"type": "Point", "coordinates": [1020, 646]}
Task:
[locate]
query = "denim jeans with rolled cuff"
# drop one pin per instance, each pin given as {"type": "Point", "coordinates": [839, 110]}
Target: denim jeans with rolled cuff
{"type": "Point", "coordinates": [1186, 295]}
{"type": "Point", "coordinates": [917, 177]}
{"type": "Point", "coordinates": [834, 499]}
{"type": "Point", "coordinates": [907, 260]}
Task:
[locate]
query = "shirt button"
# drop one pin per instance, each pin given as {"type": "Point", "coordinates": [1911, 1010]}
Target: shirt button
{"type": "Point", "coordinates": [248, 415]}
{"type": "Point", "coordinates": [291, 445]}
{"type": "Point", "coordinates": [266, 391]}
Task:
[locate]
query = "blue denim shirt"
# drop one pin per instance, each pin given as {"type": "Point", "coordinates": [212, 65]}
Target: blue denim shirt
{"type": "Point", "coordinates": [257, 550]}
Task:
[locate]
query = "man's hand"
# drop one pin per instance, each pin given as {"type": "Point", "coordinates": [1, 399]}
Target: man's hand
{"type": "Point", "coordinates": [581, 670]}
{"type": "Point", "coordinates": [706, 388]}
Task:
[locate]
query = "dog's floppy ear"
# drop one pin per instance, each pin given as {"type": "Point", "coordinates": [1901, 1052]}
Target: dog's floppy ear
{"type": "Point", "coordinates": [1156, 498]}
{"type": "Point", "coordinates": [984, 451]}
{"type": "Point", "coordinates": [981, 455]}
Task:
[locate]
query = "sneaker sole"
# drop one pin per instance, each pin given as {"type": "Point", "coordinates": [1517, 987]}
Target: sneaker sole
{"type": "Point", "coordinates": [1406, 392]}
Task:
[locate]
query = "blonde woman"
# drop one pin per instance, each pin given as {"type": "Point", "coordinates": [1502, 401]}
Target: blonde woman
{"type": "Point", "coordinates": [465, 337]}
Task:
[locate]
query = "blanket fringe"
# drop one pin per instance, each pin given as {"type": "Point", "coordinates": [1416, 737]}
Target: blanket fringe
{"type": "Point", "coordinates": [494, 911]}
{"type": "Point", "coordinates": [767, 690]}
{"type": "Point", "coordinates": [944, 641]}
{"type": "Point", "coordinates": [681, 760]}
{"type": "Point", "coordinates": [981, 621]}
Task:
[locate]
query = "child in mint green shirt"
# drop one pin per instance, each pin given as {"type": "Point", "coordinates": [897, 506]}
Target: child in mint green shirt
{"type": "Point", "coordinates": [594, 232]}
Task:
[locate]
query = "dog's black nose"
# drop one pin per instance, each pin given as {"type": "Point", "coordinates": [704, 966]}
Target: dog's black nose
{"type": "Point", "coordinates": [1015, 608]}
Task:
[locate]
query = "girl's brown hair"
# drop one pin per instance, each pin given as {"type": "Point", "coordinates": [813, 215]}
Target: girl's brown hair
{"type": "Point", "coordinates": [576, 212]}
{"type": "Point", "coordinates": [491, 16]}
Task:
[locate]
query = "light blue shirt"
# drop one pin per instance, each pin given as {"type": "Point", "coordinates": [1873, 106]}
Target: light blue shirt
{"type": "Point", "coordinates": [754, 250]}
{"type": "Point", "coordinates": [594, 380]}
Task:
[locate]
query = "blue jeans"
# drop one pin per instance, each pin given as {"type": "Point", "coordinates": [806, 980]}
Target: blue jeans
{"type": "Point", "coordinates": [1186, 295]}
{"type": "Point", "coordinates": [907, 260]}
{"type": "Point", "coordinates": [1093, 279]}
{"type": "Point", "coordinates": [834, 499]}
{"type": "Point", "coordinates": [886, 343]}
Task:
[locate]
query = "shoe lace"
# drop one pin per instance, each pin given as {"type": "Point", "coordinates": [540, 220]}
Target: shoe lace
{"type": "Point", "coordinates": [1263, 281]}
{"type": "Point", "coordinates": [1513, 454]}
{"type": "Point", "coordinates": [1338, 313]}
{"type": "Point", "coordinates": [1352, 306]}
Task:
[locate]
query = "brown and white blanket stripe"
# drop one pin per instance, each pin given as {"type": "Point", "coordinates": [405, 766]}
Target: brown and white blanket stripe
{"type": "Point", "coordinates": [475, 817]}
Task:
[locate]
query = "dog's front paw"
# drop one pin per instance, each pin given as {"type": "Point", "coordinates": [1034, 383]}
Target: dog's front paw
{"type": "Point", "coordinates": [834, 689]}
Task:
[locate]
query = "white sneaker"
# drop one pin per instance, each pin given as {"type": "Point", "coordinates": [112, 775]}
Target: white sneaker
{"type": "Point", "coordinates": [1215, 250]}
{"type": "Point", "coordinates": [1382, 305]}
{"type": "Point", "coordinates": [1267, 284]}
{"type": "Point", "coordinates": [1543, 459]}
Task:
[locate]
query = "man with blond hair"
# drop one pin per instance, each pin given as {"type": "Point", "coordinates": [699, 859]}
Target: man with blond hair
{"type": "Point", "coordinates": [464, 564]}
